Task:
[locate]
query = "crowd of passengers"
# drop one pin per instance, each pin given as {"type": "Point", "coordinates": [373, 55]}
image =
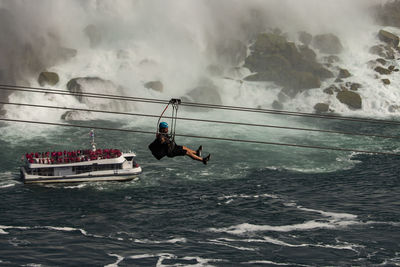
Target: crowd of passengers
{"type": "Point", "coordinates": [71, 156]}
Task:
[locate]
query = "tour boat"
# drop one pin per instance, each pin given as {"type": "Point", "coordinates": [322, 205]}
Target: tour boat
{"type": "Point", "coordinates": [80, 166]}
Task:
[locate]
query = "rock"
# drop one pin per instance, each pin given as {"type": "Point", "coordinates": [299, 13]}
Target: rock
{"type": "Point", "coordinates": [328, 44]}
{"type": "Point", "coordinates": [389, 38]}
{"type": "Point", "coordinates": [343, 74]}
{"type": "Point", "coordinates": [332, 59]}
{"type": "Point", "coordinates": [283, 97]}
{"type": "Point", "coordinates": [76, 115]}
{"type": "Point", "coordinates": [382, 71]}
{"type": "Point", "coordinates": [331, 89]}
{"type": "Point", "coordinates": [355, 86]}
{"type": "Point", "coordinates": [351, 99]}
{"type": "Point", "coordinates": [84, 84]}
{"type": "Point", "coordinates": [381, 61]}
{"type": "Point", "coordinates": [315, 68]}
{"type": "Point", "coordinates": [390, 53]}
{"type": "Point", "coordinates": [386, 81]}
{"type": "Point", "coordinates": [321, 108]}
{"type": "Point", "coordinates": [307, 53]}
{"type": "Point", "coordinates": [66, 53]}
{"type": "Point", "coordinates": [206, 93]}
{"type": "Point", "coordinates": [50, 78]}
{"type": "Point", "coordinates": [75, 88]}
{"type": "Point", "coordinates": [277, 105]}
{"type": "Point", "coordinates": [394, 108]}
{"type": "Point", "coordinates": [155, 85]}
{"type": "Point", "coordinates": [275, 59]}
{"type": "Point", "coordinates": [391, 68]}
{"type": "Point", "coordinates": [263, 63]}
{"type": "Point", "coordinates": [305, 38]}
{"type": "Point", "coordinates": [294, 80]}
{"type": "Point", "coordinates": [269, 43]}
{"type": "Point", "coordinates": [299, 80]}
{"type": "Point", "coordinates": [94, 35]}
{"type": "Point", "coordinates": [377, 50]}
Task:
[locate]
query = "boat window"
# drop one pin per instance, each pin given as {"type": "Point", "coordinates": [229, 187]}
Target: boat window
{"type": "Point", "coordinates": [41, 171]}
{"type": "Point", "coordinates": [96, 167]}
{"type": "Point", "coordinates": [129, 158]}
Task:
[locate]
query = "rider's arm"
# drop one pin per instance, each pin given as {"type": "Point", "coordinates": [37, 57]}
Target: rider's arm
{"type": "Point", "coordinates": [163, 139]}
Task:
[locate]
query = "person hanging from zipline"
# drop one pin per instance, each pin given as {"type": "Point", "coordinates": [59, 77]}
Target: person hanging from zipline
{"type": "Point", "coordinates": [164, 144]}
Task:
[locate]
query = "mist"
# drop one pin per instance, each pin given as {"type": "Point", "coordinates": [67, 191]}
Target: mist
{"type": "Point", "coordinates": [181, 38]}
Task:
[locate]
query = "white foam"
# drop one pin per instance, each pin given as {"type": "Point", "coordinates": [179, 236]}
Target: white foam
{"type": "Point", "coordinates": [115, 264]}
{"type": "Point", "coordinates": [337, 221]}
{"type": "Point", "coordinates": [244, 196]}
{"type": "Point", "coordinates": [201, 262]}
{"type": "Point", "coordinates": [335, 215]}
{"type": "Point", "coordinates": [171, 241]}
{"type": "Point", "coordinates": [64, 229]}
{"type": "Point", "coordinates": [220, 241]}
{"type": "Point", "coordinates": [276, 263]}
{"type": "Point", "coordinates": [7, 185]}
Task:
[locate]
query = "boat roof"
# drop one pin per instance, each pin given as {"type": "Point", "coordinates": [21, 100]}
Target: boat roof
{"type": "Point", "coordinates": [89, 162]}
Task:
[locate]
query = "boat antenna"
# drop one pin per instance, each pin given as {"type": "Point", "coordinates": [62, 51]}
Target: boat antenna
{"type": "Point", "coordinates": [92, 143]}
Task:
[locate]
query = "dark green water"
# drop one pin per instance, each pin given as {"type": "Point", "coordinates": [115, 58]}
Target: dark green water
{"type": "Point", "coordinates": [252, 206]}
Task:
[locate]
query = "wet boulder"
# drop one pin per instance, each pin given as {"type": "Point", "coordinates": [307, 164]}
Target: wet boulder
{"type": "Point", "coordinates": [263, 63]}
{"type": "Point", "coordinates": [48, 78]}
{"type": "Point", "coordinates": [79, 86]}
{"type": "Point", "coordinates": [331, 90]}
{"type": "Point", "coordinates": [381, 61]}
{"type": "Point", "coordinates": [351, 99]}
{"type": "Point", "coordinates": [277, 105]}
{"type": "Point", "coordinates": [378, 50]}
{"type": "Point", "coordinates": [386, 81]}
{"type": "Point", "coordinates": [354, 86]}
{"type": "Point", "coordinates": [76, 115]}
{"type": "Point", "coordinates": [383, 71]}
{"type": "Point", "coordinates": [332, 59]}
{"type": "Point", "coordinates": [389, 38]}
{"type": "Point", "coordinates": [321, 108]}
{"type": "Point", "coordinates": [343, 74]}
{"type": "Point", "coordinates": [305, 38]}
{"type": "Point", "coordinates": [328, 44]}
{"type": "Point", "coordinates": [275, 59]}
{"type": "Point", "coordinates": [206, 93]}
{"type": "Point", "coordinates": [155, 85]}
{"type": "Point", "coordinates": [300, 80]}
{"type": "Point", "coordinates": [269, 43]}
{"type": "Point", "coordinates": [307, 53]}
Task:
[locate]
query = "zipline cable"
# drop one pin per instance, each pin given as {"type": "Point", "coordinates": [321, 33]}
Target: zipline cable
{"type": "Point", "coordinates": [198, 105]}
{"type": "Point", "coordinates": [207, 137]}
{"type": "Point", "coordinates": [203, 120]}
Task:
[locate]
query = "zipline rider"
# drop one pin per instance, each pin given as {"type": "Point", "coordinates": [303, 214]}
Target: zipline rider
{"type": "Point", "coordinates": [163, 146]}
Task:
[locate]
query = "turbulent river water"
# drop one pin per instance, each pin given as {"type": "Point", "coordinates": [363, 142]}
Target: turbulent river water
{"type": "Point", "coordinates": [251, 206]}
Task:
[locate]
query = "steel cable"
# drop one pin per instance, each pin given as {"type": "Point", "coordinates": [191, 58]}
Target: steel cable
{"type": "Point", "coordinates": [208, 137]}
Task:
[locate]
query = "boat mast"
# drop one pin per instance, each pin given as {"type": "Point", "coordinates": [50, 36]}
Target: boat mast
{"type": "Point", "coordinates": [93, 144]}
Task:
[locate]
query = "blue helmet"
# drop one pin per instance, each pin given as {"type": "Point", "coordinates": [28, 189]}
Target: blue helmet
{"type": "Point", "coordinates": [163, 125]}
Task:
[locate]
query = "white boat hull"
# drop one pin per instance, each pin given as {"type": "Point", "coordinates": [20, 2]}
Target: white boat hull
{"type": "Point", "coordinates": [99, 176]}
